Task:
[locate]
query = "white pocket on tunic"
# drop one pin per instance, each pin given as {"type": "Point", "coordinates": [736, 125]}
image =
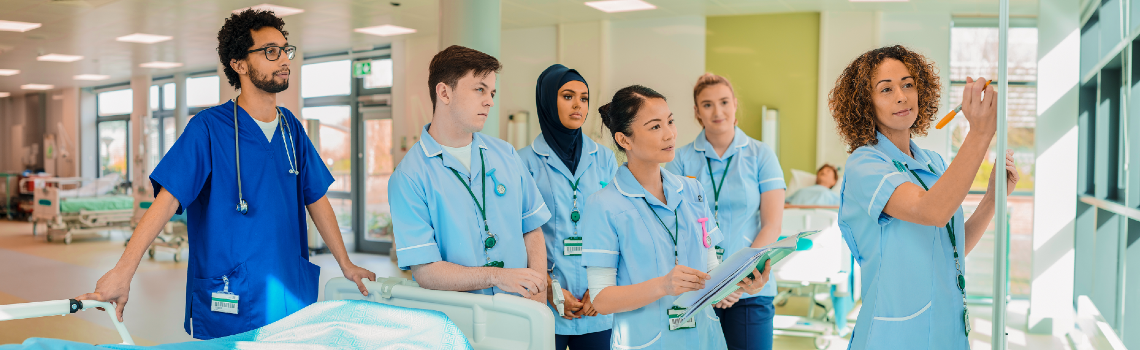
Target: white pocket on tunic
{"type": "Point", "coordinates": [904, 332]}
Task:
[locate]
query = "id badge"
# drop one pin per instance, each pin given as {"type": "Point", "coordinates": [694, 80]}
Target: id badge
{"type": "Point", "coordinates": [719, 254]}
{"type": "Point", "coordinates": [572, 246]}
{"type": "Point", "coordinates": [675, 319]}
{"type": "Point", "coordinates": [224, 302]}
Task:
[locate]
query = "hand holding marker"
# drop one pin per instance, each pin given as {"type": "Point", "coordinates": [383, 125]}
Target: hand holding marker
{"type": "Point", "coordinates": [950, 116]}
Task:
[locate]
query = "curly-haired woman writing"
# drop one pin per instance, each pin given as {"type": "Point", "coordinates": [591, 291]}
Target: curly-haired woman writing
{"type": "Point", "coordinates": [901, 209]}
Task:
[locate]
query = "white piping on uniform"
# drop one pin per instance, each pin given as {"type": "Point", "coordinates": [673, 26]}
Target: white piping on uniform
{"type": "Point", "coordinates": [414, 247]}
{"type": "Point", "coordinates": [619, 346]}
{"type": "Point", "coordinates": [876, 194]}
{"type": "Point", "coordinates": [599, 251]}
{"type": "Point", "coordinates": [898, 319]}
{"type": "Point", "coordinates": [535, 211]}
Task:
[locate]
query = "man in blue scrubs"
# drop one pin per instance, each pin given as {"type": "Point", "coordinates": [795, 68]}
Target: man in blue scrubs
{"type": "Point", "coordinates": [466, 213]}
{"type": "Point", "coordinates": [248, 264]}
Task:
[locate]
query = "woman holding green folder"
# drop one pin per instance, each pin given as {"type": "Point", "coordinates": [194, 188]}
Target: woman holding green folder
{"type": "Point", "coordinates": [747, 187]}
{"type": "Point", "coordinates": [647, 237]}
{"type": "Point", "coordinates": [901, 207]}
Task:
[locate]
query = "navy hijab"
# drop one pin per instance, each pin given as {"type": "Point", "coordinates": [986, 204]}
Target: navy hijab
{"type": "Point", "coordinates": [566, 143]}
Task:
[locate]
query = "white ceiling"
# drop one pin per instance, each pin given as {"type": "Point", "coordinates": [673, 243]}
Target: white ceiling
{"type": "Point", "coordinates": [89, 27]}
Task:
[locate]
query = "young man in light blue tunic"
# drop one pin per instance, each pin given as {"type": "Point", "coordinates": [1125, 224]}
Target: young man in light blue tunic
{"type": "Point", "coordinates": [466, 213]}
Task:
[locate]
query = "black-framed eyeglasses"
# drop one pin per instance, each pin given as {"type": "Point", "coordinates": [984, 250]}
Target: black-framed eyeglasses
{"type": "Point", "coordinates": [272, 53]}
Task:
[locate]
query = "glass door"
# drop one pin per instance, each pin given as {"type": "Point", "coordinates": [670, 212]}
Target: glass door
{"type": "Point", "coordinates": [377, 168]}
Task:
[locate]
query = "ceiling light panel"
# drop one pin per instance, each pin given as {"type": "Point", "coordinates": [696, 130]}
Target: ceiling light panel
{"type": "Point", "coordinates": [161, 65]}
{"type": "Point", "coordinates": [92, 77]}
{"type": "Point", "coordinates": [13, 26]}
{"type": "Point", "coordinates": [142, 38]}
{"type": "Point", "coordinates": [385, 30]}
{"type": "Point", "coordinates": [55, 57]}
{"type": "Point", "coordinates": [612, 6]}
{"type": "Point", "coordinates": [37, 87]}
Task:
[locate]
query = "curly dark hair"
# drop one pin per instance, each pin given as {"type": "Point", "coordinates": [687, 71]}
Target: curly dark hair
{"type": "Point", "coordinates": [853, 108]}
{"type": "Point", "coordinates": [235, 39]}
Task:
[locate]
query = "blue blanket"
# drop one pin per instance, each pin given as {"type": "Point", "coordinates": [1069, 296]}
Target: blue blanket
{"type": "Point", "coordinates": [339, 324]}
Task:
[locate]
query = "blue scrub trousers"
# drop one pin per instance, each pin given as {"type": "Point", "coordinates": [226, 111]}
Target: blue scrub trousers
{"type": "Point", "coordinates": [588, 341]}
{"type": "Point", "coordinates": [748, 323]}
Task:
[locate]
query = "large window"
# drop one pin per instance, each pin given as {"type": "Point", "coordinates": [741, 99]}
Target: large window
{"type": "Point", "coordinates": [974, 53]}
{"type": "Point", "coordinates": [326, 79]}
{"type": "Point", "coordinates": [112, 131]}
{"type": "Point", "coordinates": [203, 91]}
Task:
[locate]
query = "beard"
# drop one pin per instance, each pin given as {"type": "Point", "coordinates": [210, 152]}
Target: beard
{"type": "Point", "coordinates": [266, 82]}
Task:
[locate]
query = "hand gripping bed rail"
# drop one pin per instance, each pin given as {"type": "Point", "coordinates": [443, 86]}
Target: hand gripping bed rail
{"type": "Point", "coordinates": [62, 308]}
{"type": "Point", "coordinates": [496, 322]}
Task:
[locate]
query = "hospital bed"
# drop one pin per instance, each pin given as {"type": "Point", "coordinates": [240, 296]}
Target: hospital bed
{"type": "Point", "coordinates": [397, 314]}
{"type": "Point", "coordinates": [826, 274]}
{"type": "Point", "coordinates": [62, 204]}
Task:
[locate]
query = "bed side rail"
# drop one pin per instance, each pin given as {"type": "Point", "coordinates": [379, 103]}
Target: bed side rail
{"type": "Point", "coordinates": [489, 322]}
{"type": "Point", "coordinates": [62, 308]}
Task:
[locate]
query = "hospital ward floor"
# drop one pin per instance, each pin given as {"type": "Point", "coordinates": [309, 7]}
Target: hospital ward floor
{"type": "Point", "coordinates": [35, 270]}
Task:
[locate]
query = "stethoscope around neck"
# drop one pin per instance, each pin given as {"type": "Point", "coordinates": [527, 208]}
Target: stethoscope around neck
{"type": "Point", "coordinates": [243, 206]}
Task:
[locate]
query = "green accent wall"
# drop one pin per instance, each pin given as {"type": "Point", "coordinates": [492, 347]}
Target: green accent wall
{"type": "Point", "coordinates": [772, 60]}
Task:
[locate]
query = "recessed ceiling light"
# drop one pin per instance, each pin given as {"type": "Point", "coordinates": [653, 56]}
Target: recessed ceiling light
{"type": "Point", "coordinates": [161, 65]}
{"type": "Point", "coordinates": [9, 72]}
{"type": "Point", "coordinates": [37, 87]}
{"type": "Point", "coordinates": [144, 38]}
{"type": "Point", "coordinates": [5, 94]}
{"type": "Point", "coordinates": [878, 0]}
{"type": "Point", "coordinates": [280, 11]}
{"type": "Point", "coordinates": [92, 77]}
{"type": "Point", "coordinates": [13, 26]}
{"type": "Point", "coordinates": [612, 6]}
{"type": "Point", "coordinates": [385, 30]}
{"type": "Point", "coordinates": [55, 57]}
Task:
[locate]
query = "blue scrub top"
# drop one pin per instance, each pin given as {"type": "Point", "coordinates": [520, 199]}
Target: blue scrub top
{"type": "Point", "coordinates": [814, 195]}
{"type": "Point", "coordinates": [264, 253]}
{"type": "Point", "coordinates": [910, 294]}
{"type": "Point", "coordinates": [596, 168]}
{"type": "Point", "coordinates": [620, 231]}
{"type": "Point", "coordinates": [754, 170]}
{"type": "Point", "coordinates": [435, 219]}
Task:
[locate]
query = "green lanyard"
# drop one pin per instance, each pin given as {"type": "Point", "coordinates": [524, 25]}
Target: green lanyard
{"type": "Point", "coordinates": [717, 188]}
{"type": "Point", "coordinates": [676, 220]}
{"type": "Point", "coordinates": [490, 241]}
{"type": "Point", "coordinates": [953, 243]}
{"type": "Point", "coordinates": [574, 214]}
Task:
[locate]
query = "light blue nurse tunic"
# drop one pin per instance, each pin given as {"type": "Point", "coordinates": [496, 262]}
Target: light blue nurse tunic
{"type": "Point", "coordinates": [754, 170]}
{"type": "Point", "coordinates": [910, 295]}
{"type": "Point", "coordinates": [595, 170]}
{"type": "Point", "coordinates": [264, 253]}
{"type": "Point", "coordinates": [435, 219]}
{"type": "Point", "coordinates": [620, 231]}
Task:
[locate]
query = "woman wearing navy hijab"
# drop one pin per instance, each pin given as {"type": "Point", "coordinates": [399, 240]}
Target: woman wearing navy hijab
{"type": "Point", "coordinates": [568, 167]}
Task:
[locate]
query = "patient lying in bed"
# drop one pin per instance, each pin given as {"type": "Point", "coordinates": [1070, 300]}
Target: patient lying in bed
{"type": "Point", "coordinates": [338, 324]}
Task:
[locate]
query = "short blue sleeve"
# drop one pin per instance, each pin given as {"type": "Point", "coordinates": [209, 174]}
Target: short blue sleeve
{"type": "Point", "coordinates": [535, 213]}
{"type": "Point", "coordinates": [411, 222]}
{"type": "Point", "coordinates": [184, 169]}
{"type": "Point", "coordinates": [600, 246]}
{"type": "Point", "coordinates": [315, 175]}
{"type": "Point", "coordinates": [871, 180]}
{"type": "Point", "coordinates": [771, 176]}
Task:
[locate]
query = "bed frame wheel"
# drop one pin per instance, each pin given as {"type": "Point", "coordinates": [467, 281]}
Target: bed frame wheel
{"type": "Point", "coordinates": [177, 256]}
{"type": "Point", "coordinates": [67, 240]}
{"type": "Point", "coordinates": [150, 252]}
{"type": "Point", "coordinates": [48, 235]}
